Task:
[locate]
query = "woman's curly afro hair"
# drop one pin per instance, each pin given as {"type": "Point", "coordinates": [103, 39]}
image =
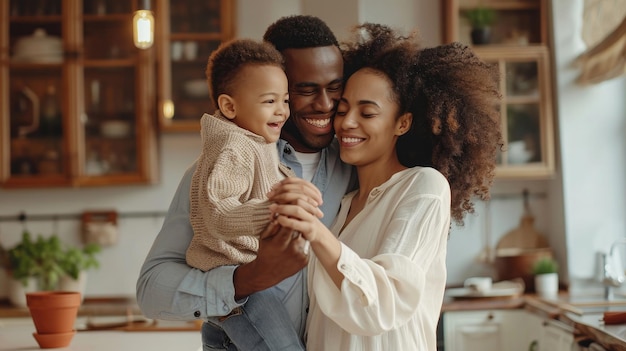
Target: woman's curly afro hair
{"type": "Point", "coordinates": [453, 96]}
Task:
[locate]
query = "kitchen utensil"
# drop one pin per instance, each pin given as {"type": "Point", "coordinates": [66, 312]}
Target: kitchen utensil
{"type": "Point", "coordinates": [513, 263]}
{"type": "Point", "coordinates": [480, 284]}
{"type": "Point", "coordinates": [525, 236]}
{"type": "Point", "coordinates": [614, 317]}
{"type": "Point", "coordinates": [501, 289]}
{"type": "Point", "coordinates": [100, 227]}
{"type": "Point", "coordinates": [24, 112]}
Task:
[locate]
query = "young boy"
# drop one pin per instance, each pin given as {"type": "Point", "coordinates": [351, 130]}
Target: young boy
{"type": "Point", "coordinates": [236, 169]}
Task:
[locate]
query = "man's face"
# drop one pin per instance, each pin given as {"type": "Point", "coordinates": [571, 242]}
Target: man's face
{"type": "Point", "coordinates": [315, 84]}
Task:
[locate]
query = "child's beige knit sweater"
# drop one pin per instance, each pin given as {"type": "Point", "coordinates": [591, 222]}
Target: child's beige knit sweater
{"type": "Point", "coordinates": [229, 206]}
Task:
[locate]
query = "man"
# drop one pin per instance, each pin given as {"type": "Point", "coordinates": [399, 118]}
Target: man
{"type": "Point", "coordinates": [168, 288]}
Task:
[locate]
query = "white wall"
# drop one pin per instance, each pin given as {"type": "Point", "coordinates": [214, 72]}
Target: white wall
{"type": "Point", "coordinates": [592, 128]}
{"type": "Point", "coordinates": [593, 142]}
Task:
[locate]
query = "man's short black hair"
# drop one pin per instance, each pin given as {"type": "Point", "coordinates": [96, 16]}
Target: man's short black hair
{"type": "Point", "coordinates": [298, 32]}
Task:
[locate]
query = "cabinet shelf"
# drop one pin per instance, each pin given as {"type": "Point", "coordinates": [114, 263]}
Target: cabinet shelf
{"type": "Point", "coordinates": [36, 19]}
{"type": "Point", "coordinates": [191, 31]}
{"type": "Point", "coordinates": [110, 63]}
{"type": "Point", "coordinates": [28, 66]}
{"type": "Point", "coordinates": [121, 17]}
{"type": "Point", "coordinates": [501, 5]}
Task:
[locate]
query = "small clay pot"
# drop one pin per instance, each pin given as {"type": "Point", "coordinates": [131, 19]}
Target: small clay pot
{"type": "Point", "coordinates": [53, 312]}
{"type": "Point", "coordinates": [52, 341]}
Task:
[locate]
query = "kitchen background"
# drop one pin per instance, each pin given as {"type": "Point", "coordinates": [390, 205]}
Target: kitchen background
{"type": "Point", "coordinates": [581, 210]}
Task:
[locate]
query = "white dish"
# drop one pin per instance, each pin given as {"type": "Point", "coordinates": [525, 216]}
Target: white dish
{"type": "Point", "coordinates": [500, 289]}
{"type": "Point", "coordinates": [197, 88]}
{"type": "Point", "coordinates": [115, 129]}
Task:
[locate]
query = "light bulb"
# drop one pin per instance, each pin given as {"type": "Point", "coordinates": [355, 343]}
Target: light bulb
{"type": "Point", "coordinates": [168, 109]}
{"type": "Point", "coordinates": [143, 29]}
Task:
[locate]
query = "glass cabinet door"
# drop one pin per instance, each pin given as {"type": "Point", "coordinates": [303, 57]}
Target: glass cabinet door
{"type": "Point", "coordinates": [112, 103]}
{"type": "Point", "coordinates": [76, 96]}
{"type": "Point", "coordinates": [34, 108]}
{"type": "Point", "coordinates": [188, 35]}
{"type": "Point", "coordinates": [525, 112]}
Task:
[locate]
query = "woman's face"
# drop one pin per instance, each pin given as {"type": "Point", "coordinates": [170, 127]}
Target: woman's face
{"type": "Point", "coordinates": [366, 122]}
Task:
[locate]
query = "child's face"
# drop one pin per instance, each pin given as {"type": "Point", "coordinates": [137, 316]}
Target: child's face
{"type": "Point", "coordinates": [261, 100]}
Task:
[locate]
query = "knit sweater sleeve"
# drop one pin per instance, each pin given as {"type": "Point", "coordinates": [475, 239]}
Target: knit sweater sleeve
{"type": "Point", "coordinates": [234, 209]}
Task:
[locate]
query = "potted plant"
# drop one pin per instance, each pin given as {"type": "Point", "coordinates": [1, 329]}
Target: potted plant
{"type": "Point", "coordinates": [480, 19]}
{"type": "Point", "coordinates": [546, 277]}
{"type": "Point", "coordinates": [75, 262]}
{"type": "Point", "coordinates": [41, 264]}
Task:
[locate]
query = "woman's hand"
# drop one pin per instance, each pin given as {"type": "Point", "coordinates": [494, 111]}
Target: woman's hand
{"type": "Point", "coordinates": [299, 192]}
{"type": "Point", "coordinates": [299, 219]}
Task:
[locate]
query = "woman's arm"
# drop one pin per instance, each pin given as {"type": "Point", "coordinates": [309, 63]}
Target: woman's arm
{"type": "Point", "coordinates": [392, 262]}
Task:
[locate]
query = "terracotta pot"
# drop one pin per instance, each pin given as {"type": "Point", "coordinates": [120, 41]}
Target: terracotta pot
{"type": "Point", "coordinates": [52, 341]}
{"type": "Point", "coordinates": [518, 263]}
{"type": "Point", "coordinates": [53, 312]}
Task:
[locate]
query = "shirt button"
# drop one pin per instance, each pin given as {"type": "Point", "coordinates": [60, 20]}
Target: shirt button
{"type": "Point", "coordinates": [197, 314]}
{"type": "Point", "coordinates": [287, 151]}
{"type": "Point", "coordinates": [343, 266]}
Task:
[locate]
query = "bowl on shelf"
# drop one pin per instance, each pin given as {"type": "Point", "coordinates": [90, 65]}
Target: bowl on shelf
{"type": "Point", "coordinates": [39, 48]}
{"type": "Point", "coordinates": [518, 153]}
{"type": "Point", "coordinates": [115, 129]}
{"type": "Point", "coordinates": [197, 88]}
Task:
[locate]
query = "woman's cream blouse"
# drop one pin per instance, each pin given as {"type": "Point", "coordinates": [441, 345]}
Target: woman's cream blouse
{"type": "Point", "coordinates": [393, 259]}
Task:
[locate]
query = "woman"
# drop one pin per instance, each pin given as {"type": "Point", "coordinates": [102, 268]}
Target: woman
{"type": "Point", "coordinates": [421, 128]}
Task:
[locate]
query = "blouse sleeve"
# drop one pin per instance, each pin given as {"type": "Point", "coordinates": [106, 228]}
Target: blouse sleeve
{"type": "Point", "coordinates": [385, 291]}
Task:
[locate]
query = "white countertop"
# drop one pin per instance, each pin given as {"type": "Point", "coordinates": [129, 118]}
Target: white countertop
{"type": "Point", "coordinates": [16, 334]}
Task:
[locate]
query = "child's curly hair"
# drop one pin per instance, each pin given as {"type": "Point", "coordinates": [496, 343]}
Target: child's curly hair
{"type": "Point", "coordinates": [226, 62]}
{"type": "Point", "coordinates": [452, 95]}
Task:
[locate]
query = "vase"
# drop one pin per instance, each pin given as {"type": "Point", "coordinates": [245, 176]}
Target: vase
{"type": "Point", "coordinates": [547, 285]}
{"type": "Point", "coordinates": [17, 291]}
{"type": "Point", "coordinates": [67, 283]}
{"type": "Point", "coordinates": [54, 314]}
{"type": "Point", "coordinates": [481, 36]}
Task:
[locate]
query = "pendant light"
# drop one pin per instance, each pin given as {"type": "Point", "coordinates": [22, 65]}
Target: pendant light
{"type": "Point", "coordinates": [143, 27]}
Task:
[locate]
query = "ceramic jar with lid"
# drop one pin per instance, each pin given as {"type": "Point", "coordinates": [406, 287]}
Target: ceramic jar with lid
{"type": "Point", "coordinates": [39, 48]}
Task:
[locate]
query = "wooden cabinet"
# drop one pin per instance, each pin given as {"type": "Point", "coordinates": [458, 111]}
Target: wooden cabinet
{"type": "Point", "coordinates": [556, 336]}
{"type": "Point", "coordinates": [187, 32]}
{"type": "Point", "coordinates": [511, 330]}
{"type": "Point", "coordinates": [486, 330]}
{"type": "Point", "coordinates": [76, 97]}
{"type": "Point", "coordinates": [520, 47]}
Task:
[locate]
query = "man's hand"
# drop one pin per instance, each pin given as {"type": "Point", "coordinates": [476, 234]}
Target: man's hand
{"type": "Point", "coordinates": [280, 256]}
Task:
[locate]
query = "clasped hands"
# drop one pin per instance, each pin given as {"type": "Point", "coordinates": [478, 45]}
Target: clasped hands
{"type": "Point", "coordinates": [283, 245]}
{"type": "Point", "coordinates": [295, 206]}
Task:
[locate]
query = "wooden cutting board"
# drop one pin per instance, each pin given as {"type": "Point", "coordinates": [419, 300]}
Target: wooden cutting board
{"type": "Point", "coordinates": [525, 236]}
